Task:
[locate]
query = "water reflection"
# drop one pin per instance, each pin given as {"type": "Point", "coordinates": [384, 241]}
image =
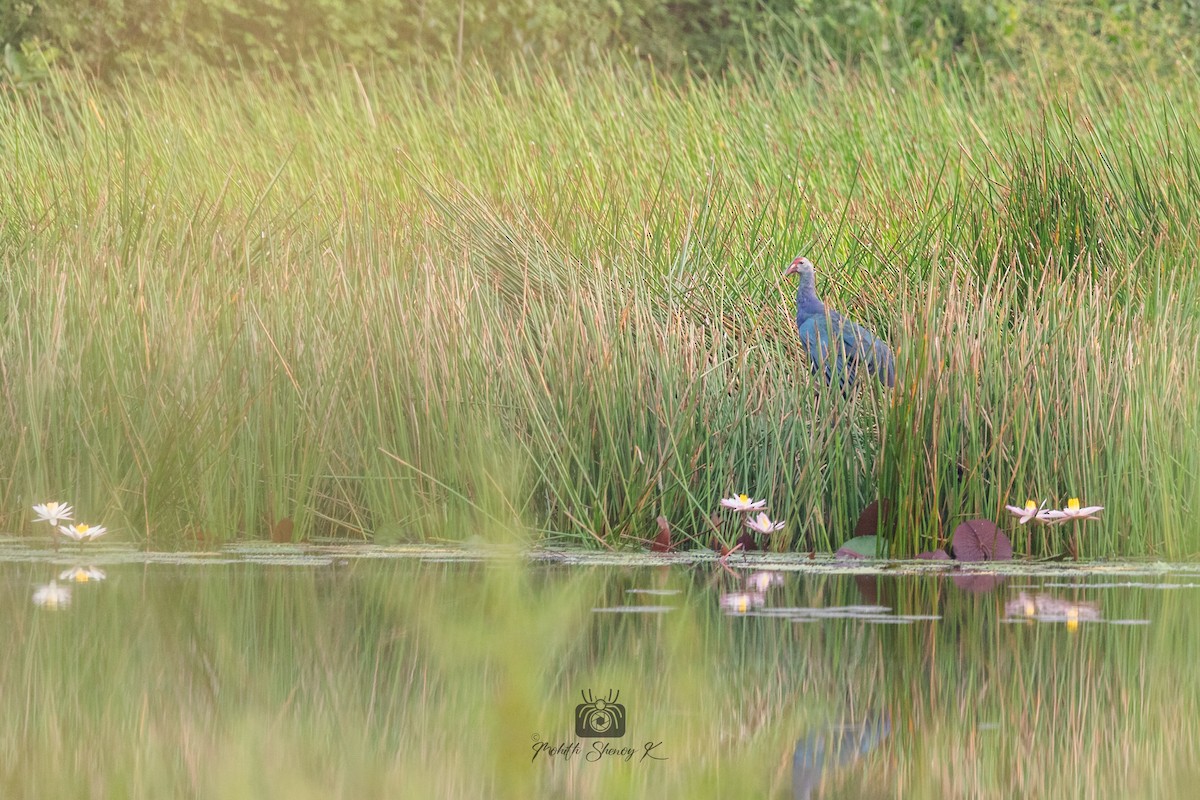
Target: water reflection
{"type": "Point", "coordinates": [1048, 608]}
{"type": "Point", "coordinates": [628, 609]}
{"type": "Point", "coordinates": [428, 677]}
{"type": "Point", "coordinates": [979, 583]}
{"type": "Point", "coordinates": [52, 596]}
{"type": "Point", "coordinates": [82, 574]}
{"type": "Point", "coordinates": [753, 594]}
{"type": "Point", "coordinates": [742, 602]}
{"type": "Point", "coordinates": [834, 747]}
{"type": "Point", "coordinates": [763, 580]}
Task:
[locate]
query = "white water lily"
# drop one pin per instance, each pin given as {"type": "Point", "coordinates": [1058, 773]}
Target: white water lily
{"type": "Point", "coordinates": [763, 524]}
{"type": "Point", "coordinates": [52, 512]}
{"type": "Point", "coordinates": [1047, 608]}
{"type": "Point", "coordinates": [52, 596]}
{"type": "Point", "coordinates": [1022, 606]}
{"type": "Point", "coordinates": [1073, 511]}
{"type": "Point", "coordinates": [741, 602]}
{"type": "Point", "coordinates": [761, 581]}
{"type": "Point", "coordinates": [82, 574]}
{"type": "Point", "coordinates": [743, 503]}
{"type": "Point", "coordinates": [1072, 619]}
{"type": "Point", "coordinates": [83, 533]}
{"type": "Point", "coordinates": [1030, 511]}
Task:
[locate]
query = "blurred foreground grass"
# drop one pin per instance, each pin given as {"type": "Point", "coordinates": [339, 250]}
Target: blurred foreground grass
{"type": "Point", "coordinates": [405, 307]}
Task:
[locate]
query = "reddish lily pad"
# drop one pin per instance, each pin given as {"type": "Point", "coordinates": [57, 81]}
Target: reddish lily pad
{"type": "Point", "coordinates": [662, 542]}
{"type": "Point", "coordinates": [281, 531]}
{"type": "Point", "coordinates": [934, 555]}
{"type": "Point", "coordinates": [868, 521]}
{"type": "Point", "coordinates": [981, 540]}
{"type": "Point", "coordinates": [868, 587]}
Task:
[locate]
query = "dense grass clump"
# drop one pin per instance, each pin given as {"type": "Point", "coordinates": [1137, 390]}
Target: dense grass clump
{"type": "Point", "coordinates": [384, 306]}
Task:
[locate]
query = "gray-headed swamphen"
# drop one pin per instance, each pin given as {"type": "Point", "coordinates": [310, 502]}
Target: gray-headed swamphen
{"type": "Point", "coordinates": [834, 344]}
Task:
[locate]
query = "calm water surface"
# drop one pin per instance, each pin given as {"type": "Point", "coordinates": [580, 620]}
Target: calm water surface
{"type": "Point", "coordinates": [372, 672]}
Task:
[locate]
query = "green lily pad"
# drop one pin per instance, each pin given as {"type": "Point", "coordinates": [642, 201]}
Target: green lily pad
{"type": "Point", "coordinates": [860, 547]}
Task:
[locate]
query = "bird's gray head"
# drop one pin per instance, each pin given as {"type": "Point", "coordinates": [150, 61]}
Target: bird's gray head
{"type": "Point", "coordinates": [798, 266]}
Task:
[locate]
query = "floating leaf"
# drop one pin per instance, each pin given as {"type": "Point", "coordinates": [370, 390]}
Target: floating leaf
{"type": "Point", "coordinates": [859, 547]}
{"type": "Point", "coordinates": [981, 540]}
{"type": "Point", "coordinates": [934, 555]}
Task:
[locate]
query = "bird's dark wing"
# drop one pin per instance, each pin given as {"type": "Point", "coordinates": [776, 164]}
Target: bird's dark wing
{"type": "Point", "coordinates": [863, 347]}
{"type": "Point", "coordinates": [837, 347]}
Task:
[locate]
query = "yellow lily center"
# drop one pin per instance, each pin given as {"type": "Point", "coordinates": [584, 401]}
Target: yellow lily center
{"type": "Point", "coordinates": [82, 528]}
{"type": "Point", "coordinates": [745, 498]}
{"type": "Point", "coordinates": [52, 507]}
{"type": "Point", "coordinates": [1073, 504]}
{"type": "Point", "coordinates": [1030, 505]}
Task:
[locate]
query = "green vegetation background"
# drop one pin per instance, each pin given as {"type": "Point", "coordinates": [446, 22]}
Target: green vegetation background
{"type": "Point", "coordinates": [365, 297]}
{"type": "Point", "coordinates": [103, 35]}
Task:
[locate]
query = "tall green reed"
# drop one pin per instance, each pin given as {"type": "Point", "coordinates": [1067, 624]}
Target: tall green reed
{"type": "Point", "coordinates": [391, 295]}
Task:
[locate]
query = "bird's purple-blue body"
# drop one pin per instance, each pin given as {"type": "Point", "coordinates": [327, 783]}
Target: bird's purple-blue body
{"type": "Point", "coordinates": [834, 344]}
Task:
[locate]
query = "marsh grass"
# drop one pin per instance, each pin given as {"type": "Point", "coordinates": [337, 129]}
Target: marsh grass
{"type": "Point", "coordinates": [410, 307]}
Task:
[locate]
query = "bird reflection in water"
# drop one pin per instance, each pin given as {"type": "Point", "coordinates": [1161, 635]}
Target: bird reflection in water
{"type": "Point", "coordinates": [835, 747]}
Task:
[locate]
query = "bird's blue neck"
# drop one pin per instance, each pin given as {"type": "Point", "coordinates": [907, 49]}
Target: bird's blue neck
{"type": "Point", "coordinates": [807, 302]}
